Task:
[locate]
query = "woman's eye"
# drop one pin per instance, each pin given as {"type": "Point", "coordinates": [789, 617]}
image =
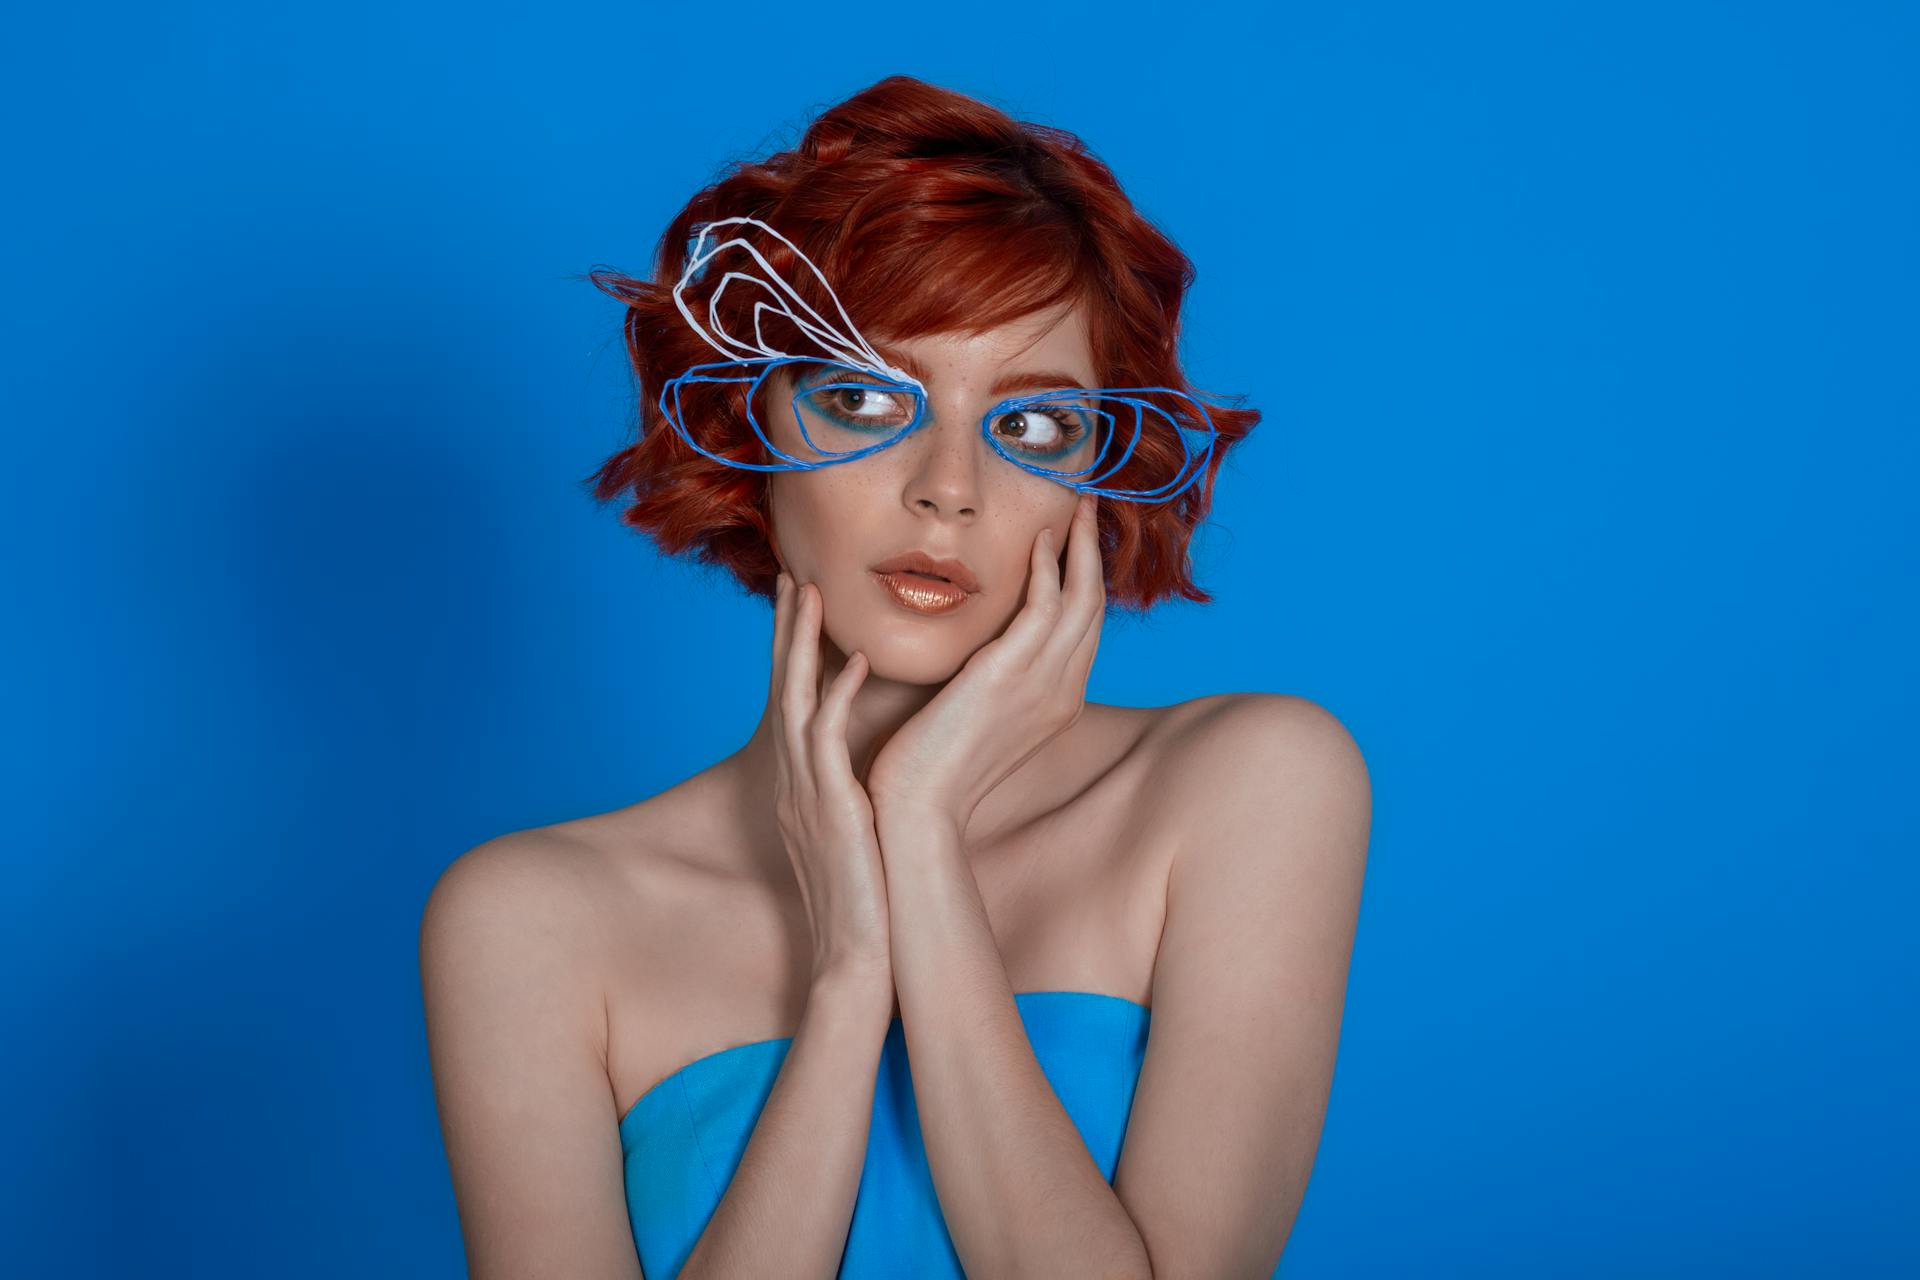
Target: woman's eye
{"type": "Point", "coordinates": [1032, 429]}
{"type": "Point", "coordinates": [860, 403]}
{"type": "Point", "coordinates": [842, 398]}
{"type": "Point", "coordinates": [1037, 430]}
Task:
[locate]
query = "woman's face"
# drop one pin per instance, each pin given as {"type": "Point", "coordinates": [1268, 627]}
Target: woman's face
{"type": "Point", "coordinates": [942, 490]}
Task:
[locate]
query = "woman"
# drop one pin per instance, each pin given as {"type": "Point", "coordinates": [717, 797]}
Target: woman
{"type": "Point", "coordinates": [872, 995]}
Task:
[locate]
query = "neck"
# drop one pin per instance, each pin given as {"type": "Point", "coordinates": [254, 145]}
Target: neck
{"type": "Point", "coordinates": [879, 708]}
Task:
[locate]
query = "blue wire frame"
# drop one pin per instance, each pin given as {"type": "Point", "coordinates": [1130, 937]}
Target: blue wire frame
{"type": "Point", "coordinates": [753, 372]}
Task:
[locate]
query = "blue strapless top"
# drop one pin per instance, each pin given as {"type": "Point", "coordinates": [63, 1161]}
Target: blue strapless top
{"type": "Point", "coordinates": [683, 1139]}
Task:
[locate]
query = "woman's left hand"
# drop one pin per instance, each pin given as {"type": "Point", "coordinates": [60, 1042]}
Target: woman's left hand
{"type": "Point", "coordinates": [1013, 695]}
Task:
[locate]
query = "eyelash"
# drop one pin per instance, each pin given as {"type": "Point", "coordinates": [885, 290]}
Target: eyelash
{"type": "Point", "coordinates": [1072, 429]}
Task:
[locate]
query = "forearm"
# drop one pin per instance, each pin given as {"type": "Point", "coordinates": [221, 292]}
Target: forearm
{"type": "Point", "coordinates": [1019, 1190]}
{"type": "Point", "coordinates": [788, 1207]}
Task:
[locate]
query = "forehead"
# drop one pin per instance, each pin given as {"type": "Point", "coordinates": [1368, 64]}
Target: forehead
{"type": "Point", "coordinates": [1057, 339]}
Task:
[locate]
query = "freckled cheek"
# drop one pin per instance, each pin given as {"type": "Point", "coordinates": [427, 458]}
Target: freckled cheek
{"type": "Point", "coordinates": [813, 519]}
{"type": "Point", "coordinates": [827, 520]}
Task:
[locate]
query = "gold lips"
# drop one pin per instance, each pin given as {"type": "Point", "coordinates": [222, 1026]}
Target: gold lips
{"type": "Point", "coordinates": [923, 593]}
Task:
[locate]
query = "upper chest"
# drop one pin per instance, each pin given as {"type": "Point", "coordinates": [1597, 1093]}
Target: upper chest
{"type": "Point", "coordinates": [704, 960]}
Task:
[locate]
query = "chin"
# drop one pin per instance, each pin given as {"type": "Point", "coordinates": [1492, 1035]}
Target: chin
{"type": "Point", "coordinates": [904, 664]}
{"type": "Point", "coordinates": [902, 647]}
{"type": "Point", "coordinates": [896, 653]}
{"type": "Point", "coordinates": [916, 672]}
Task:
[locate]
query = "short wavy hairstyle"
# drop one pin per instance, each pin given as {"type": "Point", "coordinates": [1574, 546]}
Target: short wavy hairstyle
{"type": "Point", "coordinates": [929, 212]}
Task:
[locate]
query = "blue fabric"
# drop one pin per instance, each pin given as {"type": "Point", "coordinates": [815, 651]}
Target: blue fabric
{"type": "Point", "coordinates": [683, 1139]}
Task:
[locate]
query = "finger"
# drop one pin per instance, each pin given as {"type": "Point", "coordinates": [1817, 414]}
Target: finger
{"type": "Point", "coordinates": [1084, 586]}
{"type": "Point", "coordinates": [785, 596]}
{"type": "Point", "coordinates": [801, 692]}
{"type": "Point", "coordinates": [1087, 575]}
{"type": "Point", "coordinates": [1049, 567]}
{"type": "Point", "coordinates": [1037, 619]}
{"type": "Point", "coordinates": [783, 611]}
{"type": "Point", "coordinates": [1079, 663]}
{"type": "Point", "coordinates": [782, 632]}
{"type": "Point", "coordinates": [830, 723]}
{"type": "Point", "coordinates": [1084, 599]}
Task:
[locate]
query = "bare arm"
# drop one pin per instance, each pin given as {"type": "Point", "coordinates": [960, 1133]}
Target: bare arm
{"type": "Point", "coordinates": [1249, 985]}
{"type": "Point", "coordinates": [511, 952]}
{"type": "Point", "coordinates": [516, 1033]}
{"type": "Point", "coordinates": [1271, 799]}
{"type": "Point", "coordinates": [509, 949]}
{"type": "Point", "coordinates": [788, 1207]}
{"type": "Point", "coordinates": [1018, 1189]}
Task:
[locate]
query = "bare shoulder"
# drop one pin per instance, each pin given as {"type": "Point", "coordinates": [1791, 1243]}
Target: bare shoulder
{"type": "Point", "coordinates": [513, 932]}
{"type": "Point", "coordinates": [1258, 725]}
{"type": "Point", "coordinates": [565, 900]}
{"type": "Point", "coordinates": [513, 952]}
{"type": "Point", "coordinates": [1266, 800]}
{"type": "Point", "coordinates": [560, 880]}
{"type": "Point", "coordinates": [525, 889]}
{"type": "Point", "coordinates": [1270, 721]}
{"type": "Point", "coordinates": [1233, 750]}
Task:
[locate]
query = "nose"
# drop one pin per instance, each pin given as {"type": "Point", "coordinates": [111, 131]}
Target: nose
{"type": "Point", "coordinates": [944, 474]}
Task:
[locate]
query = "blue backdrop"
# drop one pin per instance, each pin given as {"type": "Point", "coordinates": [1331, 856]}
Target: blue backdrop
{"type": "Point", "coordinates": [1587, 338]}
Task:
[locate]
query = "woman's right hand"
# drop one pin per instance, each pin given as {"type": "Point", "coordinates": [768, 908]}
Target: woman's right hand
{"type": "Point", "coordinates": [825, 817]}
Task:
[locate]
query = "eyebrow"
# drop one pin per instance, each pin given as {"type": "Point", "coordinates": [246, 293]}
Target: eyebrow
{"type": "Point", "coordinates": [1041, 379]}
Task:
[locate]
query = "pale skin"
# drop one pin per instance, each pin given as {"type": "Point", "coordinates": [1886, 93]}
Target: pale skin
{"type": "Point", "coordinates": [927, 819]}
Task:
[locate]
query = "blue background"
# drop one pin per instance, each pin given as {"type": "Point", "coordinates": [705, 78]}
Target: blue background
{"type": "Point", "coordinates": [1587, 338]}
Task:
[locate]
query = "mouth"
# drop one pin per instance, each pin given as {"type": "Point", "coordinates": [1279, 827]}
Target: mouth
{"type": "Point", "coordinates": [922, 593]}
{"type": "Point", "coordinates": [921, 565]}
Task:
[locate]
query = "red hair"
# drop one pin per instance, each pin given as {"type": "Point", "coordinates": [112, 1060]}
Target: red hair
{"type": "Point", "coordinates": [929, 212]}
